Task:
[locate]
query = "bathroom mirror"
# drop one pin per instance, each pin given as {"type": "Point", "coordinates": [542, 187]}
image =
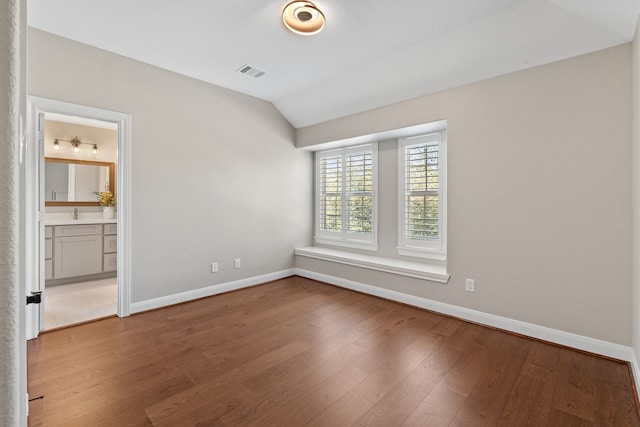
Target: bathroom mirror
{"type": "Point", "coordinates": [70, 182]}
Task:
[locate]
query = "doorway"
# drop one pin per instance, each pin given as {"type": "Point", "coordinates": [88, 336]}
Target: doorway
{"type": "Point", "coordinates": [80, 165]}
{"type": "Point", "coordinates": [97, 243]}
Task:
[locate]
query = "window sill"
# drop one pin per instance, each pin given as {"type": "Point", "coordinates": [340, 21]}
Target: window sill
{"type": "Point", "coordinates": [418, 270]}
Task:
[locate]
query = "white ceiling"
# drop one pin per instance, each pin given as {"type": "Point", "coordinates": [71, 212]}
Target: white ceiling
{"type": "Point", "coordinates": [371, 52]}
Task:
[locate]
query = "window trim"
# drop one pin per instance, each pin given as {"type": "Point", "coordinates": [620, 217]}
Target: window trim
{"type": "Point", "coordinates": [343, 238]}
{"type": "Point", "coordinates": [437, 250]}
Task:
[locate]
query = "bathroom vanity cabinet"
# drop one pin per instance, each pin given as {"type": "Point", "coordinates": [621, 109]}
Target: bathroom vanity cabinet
{"type": "Point", "coordinates": [110, 247]}
{"type": "Point", "coordinates": [74, 250]}
{"type": "Point", "coordinates": [48, 253]}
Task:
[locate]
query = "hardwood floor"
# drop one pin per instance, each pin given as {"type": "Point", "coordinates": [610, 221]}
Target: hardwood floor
{"type": "Point", "coordinates": [296, 352]}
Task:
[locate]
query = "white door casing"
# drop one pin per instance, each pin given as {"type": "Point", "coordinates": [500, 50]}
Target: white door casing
{"type": "Point", "coordinates": [34, 214]}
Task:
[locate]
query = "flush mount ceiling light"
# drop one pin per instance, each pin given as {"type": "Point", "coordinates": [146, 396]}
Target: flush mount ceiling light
{"type": "Point", "coordinates": [303, 17]}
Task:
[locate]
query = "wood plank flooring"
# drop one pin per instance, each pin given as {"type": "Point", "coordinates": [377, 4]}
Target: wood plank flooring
{"type": "Point", "coordinates": [296, 352]}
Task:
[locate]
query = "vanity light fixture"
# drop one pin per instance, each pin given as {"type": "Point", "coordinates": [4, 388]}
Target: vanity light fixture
{"type": "Point", "coordinates": [76, 143]}
{"type": "Point", "coordinates": [303, 17]}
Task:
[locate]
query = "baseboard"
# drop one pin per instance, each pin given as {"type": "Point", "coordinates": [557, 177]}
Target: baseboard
{"type": "Point", "coordinates": [591, 345]}
{"type": "Point", "coordinates": [152, 304]}
{"type": "Point", "coordinates": [635, 371]}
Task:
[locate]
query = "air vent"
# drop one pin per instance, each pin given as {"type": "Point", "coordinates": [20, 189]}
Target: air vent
{"type": "Point", "coordinates": [251, 71]}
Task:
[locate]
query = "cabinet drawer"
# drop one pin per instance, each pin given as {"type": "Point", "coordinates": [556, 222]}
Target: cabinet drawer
{"type": "Point", "coordinates": [110, 262]}
{"type": "Point", "coordinates": [48, 269]}
{"type": "Point", "coordinates": [110, 244]}
{"type": "Point", "coordinates": [48, 232]}
{"type": "Point", "coordinates": [111, 229]}
{"type": "Point", "coordinates": [48, 249]}
{"type": "Point", "coordinates": [77, 230]}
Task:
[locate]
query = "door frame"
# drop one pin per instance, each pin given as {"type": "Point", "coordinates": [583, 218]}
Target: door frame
{"type": "Point", "coordinates": [34, 217]}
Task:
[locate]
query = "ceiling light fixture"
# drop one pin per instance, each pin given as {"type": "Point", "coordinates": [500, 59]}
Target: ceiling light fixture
{"type": "Point", "coordinates": [76, 143]}
{"type": "Point", "coordinates": [303, 17]}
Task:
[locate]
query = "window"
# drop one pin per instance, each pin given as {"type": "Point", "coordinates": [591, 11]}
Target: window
{"type": "Point", "coordinates": [422, 203]}
{"type": "Point", "coordinates": [345, 197]}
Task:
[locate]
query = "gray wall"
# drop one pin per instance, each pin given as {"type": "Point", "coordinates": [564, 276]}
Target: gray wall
{"type": "Point", "coordinates": [539, 188]}
{"type": "Point", "coordinates": [539, 182]}
{"type": "Point", "coordinates": [215, 174]}
{"type": "Point", "coordinates": [636, 191]}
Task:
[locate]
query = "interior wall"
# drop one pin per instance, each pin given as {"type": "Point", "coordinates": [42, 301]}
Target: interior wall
{"type": "Point", "coordinates": [21, 329]}
{"type": "Point", "coordinates": [635, 55]}
{"type": "Point", "coordinates": [12, 295]}
{"type": "Point", "coordinates": [215, 174]}
{"type": "Point", "coordinates": [106, 139]}
{"type": "Point", "coordinates": [539, 185]}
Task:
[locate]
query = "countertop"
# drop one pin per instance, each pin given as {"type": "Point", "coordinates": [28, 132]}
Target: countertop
{"type": "Point", "coordinates": [83, 218]}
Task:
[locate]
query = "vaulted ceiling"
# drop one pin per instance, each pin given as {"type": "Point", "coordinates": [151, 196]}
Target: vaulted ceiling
{"type": "Point", "coordinates": [371, 52]}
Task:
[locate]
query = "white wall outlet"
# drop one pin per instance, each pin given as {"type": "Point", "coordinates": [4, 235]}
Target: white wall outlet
{"type": "Point", "coordinates": [470, 285]}
{"type": "Point", "coordinates": [236, 263]}
{"type": "Point", "coordinates": [214, 267]}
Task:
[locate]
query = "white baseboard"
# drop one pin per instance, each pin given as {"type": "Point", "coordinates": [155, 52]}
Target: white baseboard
{"type": "Point", "coordinates": [592, 345]}
{"type": "Point", "coordinates": [635, 370]}
{"type": "Point", "coordinates": [604, 348]}
{"type": "Point", "coordinates": [152, 304]}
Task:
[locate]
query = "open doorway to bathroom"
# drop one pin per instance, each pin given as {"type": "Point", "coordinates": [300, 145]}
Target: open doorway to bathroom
{"type": "Point", "coordinates": [80, 228]}
{"type": "Point", "coordinates": [116, 247]}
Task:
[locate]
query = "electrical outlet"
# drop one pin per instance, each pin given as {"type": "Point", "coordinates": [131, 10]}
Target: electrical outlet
{"type": "Point", "coordinates": [214, 267]}
{"type": "Point", "coordinates": [236, 263]}
{"type": "Point", "coordinates": [470, 285]}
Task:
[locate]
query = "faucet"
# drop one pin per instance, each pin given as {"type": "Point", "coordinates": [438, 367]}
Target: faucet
{"type": "Point", "coordinates": [75, 213]}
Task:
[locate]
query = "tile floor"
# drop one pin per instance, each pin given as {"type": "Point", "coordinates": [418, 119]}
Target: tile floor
{"type": "Point", "coordinates": [79, 302]}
